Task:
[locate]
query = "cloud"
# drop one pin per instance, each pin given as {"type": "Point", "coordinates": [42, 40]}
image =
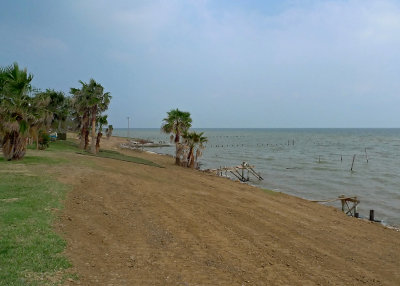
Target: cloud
{"type": "Point", "coordinates": [321, 51]}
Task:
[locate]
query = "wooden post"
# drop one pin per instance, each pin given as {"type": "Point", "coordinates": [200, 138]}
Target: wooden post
{"type": "Point", "coordinates": [352, 163]}
{"type": "Point", "coordinates": [371, 215]}
{"type": "Point", "coordinates": [366, 155]}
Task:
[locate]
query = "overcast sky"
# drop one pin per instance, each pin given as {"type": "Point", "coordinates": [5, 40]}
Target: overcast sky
{"type": "Point", "coordinates": [230, 63]}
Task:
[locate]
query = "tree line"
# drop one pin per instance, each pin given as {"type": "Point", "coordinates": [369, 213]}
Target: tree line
{"type": "Point", "coordinates": [28, 114]}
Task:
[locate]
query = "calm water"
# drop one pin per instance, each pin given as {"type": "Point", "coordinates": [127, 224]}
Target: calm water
{"type": "Point", "coordinates": [310, 163]}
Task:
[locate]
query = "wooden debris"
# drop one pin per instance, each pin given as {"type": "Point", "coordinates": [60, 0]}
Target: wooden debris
{"type": "Point", "coordinates": [239, 172]}
{"type": "Point", "coordinates": [346, 208]}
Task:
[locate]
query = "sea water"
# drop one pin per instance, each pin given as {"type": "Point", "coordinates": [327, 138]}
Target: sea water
{"type": "Point", "coordinates": [313, 164]}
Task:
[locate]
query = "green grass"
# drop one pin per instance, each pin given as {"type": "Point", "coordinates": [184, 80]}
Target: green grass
{"type": "Point", "coordinates": [62, 145]}
{"type": "Point", "coordinates": [29, 248]}
{"type": "Point", "coordinates": [118, 156]}
{"type": "Point", "coordinates": [29, 160]}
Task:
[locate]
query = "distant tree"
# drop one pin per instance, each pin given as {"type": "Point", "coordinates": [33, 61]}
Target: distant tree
{"type": "Point", "coordinates": [41, 116]}
{"type": "Point", "coordinates": [60, 106]}
{"type": "Point", "coordinates": [89, 102]}
{"type": "Point", "coordinates": [176, 123]}
{"type": "Point", "coordinates": [81, 113]}
{"type": "Point", "coordinates": [109, 131]}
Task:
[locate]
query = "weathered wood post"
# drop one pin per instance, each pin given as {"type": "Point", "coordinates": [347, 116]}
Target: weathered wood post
{"type": "Point", "coordinates": [352, 163]}
{"type": "Point", "coordinates": [371, 215]}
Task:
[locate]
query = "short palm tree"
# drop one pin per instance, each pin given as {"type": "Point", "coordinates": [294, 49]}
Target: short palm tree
{"type": "Point", "coordinates": [15, 86]}
{"type": "Point", "coordinates": [101, 121]}
{"type": "Point", "coordinates": [176, 123]}
{"type": "Point", "coordinates": [193, 139]}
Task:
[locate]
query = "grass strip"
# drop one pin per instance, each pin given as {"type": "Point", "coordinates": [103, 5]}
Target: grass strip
{"type": "Point", "coordinates": [30, 251]}
{"type": "Point", "coordinates": [121, 157]}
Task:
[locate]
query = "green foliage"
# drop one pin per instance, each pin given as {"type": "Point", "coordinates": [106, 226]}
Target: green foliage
{"type": "Point", "coordinates": [44, 140]}
{"type": "Point", "coordinates": [29, 248]}
{"type": "Point", "coordinates": [177, 122]}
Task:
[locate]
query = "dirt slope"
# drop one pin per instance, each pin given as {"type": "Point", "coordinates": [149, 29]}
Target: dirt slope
{"type": "Point", "coordinates": [129, 224]}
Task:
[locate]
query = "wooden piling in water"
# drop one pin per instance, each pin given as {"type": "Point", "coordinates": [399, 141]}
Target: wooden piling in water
{"type": "Point", "coordinates": [371, 215]}
{"type": "Point", "coordinates": [352, 163]}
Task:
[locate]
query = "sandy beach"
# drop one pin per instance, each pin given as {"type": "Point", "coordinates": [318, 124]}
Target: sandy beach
{"type": "Point", "coordinates": [132, 224]}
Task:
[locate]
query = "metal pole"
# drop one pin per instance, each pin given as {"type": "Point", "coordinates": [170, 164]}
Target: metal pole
{"type": "Point", "coordinates": [128, 126]}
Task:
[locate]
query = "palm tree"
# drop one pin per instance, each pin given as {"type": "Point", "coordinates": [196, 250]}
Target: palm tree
{"type": "Point", "coordinates": [109, 131]}
{"type": "Point", "coordinates": [15, 86]}
{"type": "Point", "coordinates": [192, 139]}
{"type": "Point", "coordinates": [176, 124]}
{"type": "Point", "coordinates": [89, 103]}
{"type": "Point", "coordinates": [101, 121]}
{"type": "Point", "coordinates": [98, 103]}
{"type": "Point", "coordinates": [81, 113]}
{"type": "Point", "coordinates": [40, 115]}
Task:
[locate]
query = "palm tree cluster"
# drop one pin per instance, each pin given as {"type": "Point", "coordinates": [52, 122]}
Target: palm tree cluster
{"type": "Point", "coordinates": [189, 144]}
{"type": "Point", "coordinates": [26, 112]}
{"type": "Point", "coordinates": [88, 104]}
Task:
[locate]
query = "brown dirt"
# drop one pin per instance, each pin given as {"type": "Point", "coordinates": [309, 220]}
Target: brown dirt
{"type": "Point", "coordinates": [130, 224]}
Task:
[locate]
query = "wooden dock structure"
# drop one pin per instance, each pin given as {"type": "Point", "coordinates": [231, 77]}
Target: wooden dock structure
{"type": "Point", "coordinates": [241, 172]}
{"type": "Point", "coordinates": [349, 204]}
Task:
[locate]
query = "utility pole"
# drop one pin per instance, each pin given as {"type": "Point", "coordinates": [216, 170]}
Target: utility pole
{"type": "Point", "coordinates": [128, 126]}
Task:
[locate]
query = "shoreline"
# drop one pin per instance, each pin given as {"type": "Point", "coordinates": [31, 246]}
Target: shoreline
{"type": "Point", "coordinates": [383, 223]}
{"type": "Point", "coordinates": [171, 225]}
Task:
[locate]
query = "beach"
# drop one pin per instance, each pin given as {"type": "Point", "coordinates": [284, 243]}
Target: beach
{"type": "Point", "coordinates": [133, 224]}
{"type": "Point", "coordinates": [313, 164]}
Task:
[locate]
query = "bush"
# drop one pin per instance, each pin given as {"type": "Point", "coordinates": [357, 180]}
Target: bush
{"type": "Point", "coordinates": [62, 136]}
{"type": "Point", "coordinates": [44, 139]}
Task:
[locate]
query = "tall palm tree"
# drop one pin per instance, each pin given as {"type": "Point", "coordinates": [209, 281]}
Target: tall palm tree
{"type": "Point", "coordinates": [176, 123]}
{"type": "Point", "coordinates": [15, 86]}
{"type": "Point", "coordinates": [81, 113]}
{"type": "Point", "coordinates": [98, 103]}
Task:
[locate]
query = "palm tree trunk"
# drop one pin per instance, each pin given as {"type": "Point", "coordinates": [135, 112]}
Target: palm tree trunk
{"type": "Point", "coordinates": [20, 147]}
{"type": "Point", "coordinates": [84, 126]}
{"type": "Point", "coordinates": [93, 143]}
{"type": "Point", "coordinates": [99, 135]}
{"type": "Point", "coordinates": [177, 155]}
{"type": "Point", "coordinates": [86, 139]}
{"type": "Point", "coordinates": [8, 145]}
{"type": "Point", "coordinates": [190, 157]}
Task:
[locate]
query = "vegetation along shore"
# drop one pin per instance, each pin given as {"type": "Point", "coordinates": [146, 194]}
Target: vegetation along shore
{"type": "Point", "coordinates": [83, 211]}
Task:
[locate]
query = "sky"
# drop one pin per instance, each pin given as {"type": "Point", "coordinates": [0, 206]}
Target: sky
{"type": "Point", "coordinates": [230, 63]}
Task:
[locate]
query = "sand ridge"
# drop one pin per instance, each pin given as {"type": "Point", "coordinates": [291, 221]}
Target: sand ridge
{"type": "Point", "coordinates": [130, 224]}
